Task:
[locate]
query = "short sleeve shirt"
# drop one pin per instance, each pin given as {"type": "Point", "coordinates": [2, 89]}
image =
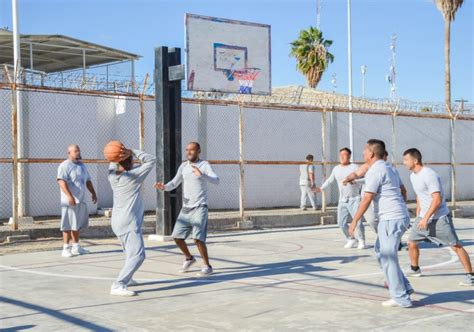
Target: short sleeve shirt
{"type": "Point", "coordinates": [384, 182]}
{"type": "Point", "coordinates": [425, 183]}
{"type": "Point", "coordinates": [305, 169]}
{"type": "Point", "coordinates": [75, 175]}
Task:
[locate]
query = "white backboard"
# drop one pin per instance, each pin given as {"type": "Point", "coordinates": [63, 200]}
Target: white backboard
{"type": "Point", "coordinates": [227, 55]}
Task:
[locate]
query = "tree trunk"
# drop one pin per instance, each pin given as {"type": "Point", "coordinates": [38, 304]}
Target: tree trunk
{"type": "Point", "coordinates": [447, 69]}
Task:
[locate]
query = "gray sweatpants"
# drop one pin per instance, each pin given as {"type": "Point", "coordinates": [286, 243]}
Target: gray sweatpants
{"type": "Point", "coordinates": [346, 210]}
{"type": "Point", "coordinates": [134, 250]}
{"type": "Point", "coordinates": [389, 234]}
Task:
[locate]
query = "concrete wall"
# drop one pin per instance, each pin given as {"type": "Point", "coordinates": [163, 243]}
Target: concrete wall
{"type": "Point", "coordinates": [54, 120]}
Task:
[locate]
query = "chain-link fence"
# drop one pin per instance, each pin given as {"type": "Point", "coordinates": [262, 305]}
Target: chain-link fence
{"type": "Point", "coordinates": [254, 143]}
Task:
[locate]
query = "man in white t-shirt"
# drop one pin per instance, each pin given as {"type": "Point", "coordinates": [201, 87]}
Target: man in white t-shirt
{"type": "Point", "coordinates": [349, 199]}
{"type": "Point", "coordinates": [433, 219]}
{"type": "Point", "coordinates": [306, 182]}
{"type": "Point", "coordinates": [382, 185]}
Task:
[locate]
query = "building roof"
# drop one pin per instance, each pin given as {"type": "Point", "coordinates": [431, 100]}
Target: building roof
{"type": "Point", "coordinates": [56, 53]}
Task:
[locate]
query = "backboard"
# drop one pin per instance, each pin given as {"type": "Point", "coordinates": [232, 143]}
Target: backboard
{"type": "Point", "coordinates": [227, 56]}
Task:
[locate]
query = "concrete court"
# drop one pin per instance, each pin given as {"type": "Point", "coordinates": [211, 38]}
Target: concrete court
{"type": "Point", "coordinates": [273, 279]}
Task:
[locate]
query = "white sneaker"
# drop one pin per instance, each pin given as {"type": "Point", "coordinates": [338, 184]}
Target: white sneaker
{"type": "Point", "coordinates": [352, 243]}
{"type": "Point", "coordinates": [205, 271]}
{"type": "Point", "coordinates": [392, 304]}
{"type": "Point", "coordinates": [78, 250]}
{"type": "Point", "coordinates": [362, 245]}
{"type": "Point", "coordinates": [187, 265]}
{"type": "Point", "coordinates": [121, 291]}
{"type": "Point", "coordinates": [67, 252]}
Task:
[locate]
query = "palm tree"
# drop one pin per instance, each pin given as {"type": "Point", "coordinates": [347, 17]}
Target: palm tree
{"type": "Point", "coordinates": [448, 9]}
{"type": "Point", "coordinates": [312, 55]}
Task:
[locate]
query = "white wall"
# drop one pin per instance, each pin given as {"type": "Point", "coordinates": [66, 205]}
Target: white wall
{"type": "Point", "coordinates": [54, 120]}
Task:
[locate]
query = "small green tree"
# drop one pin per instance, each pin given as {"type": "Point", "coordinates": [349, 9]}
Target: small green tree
{"type": "Point", "coordinates": [312, 55]}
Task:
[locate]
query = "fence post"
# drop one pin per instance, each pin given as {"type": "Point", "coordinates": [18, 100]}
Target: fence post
{"type": "Point", "coordinates": [453, 163]}
{"type": "Point", "coordinates": [394, 137]}
{"type": "Point", "coordinates": [15, 189]}
{"type": "Point", "coordinates": [241, 164]}
{"type": "Point", "coordinates": [324, 157]}
{"type": "Point", "coordinates": [141, 99]}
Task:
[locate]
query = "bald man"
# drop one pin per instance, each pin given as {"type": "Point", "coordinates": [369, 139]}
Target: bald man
{"type": "Point", "coordinates": [73, 179]}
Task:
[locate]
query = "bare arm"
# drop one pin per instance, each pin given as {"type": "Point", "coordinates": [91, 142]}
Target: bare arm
{"type": "Point", "coordinates": [434, 206]}
{"type": "Point", "coordinates": [404, 192]}
{"type": "Point", "coordinates": [65, 189]}
{"type": "Point", "coordinates": [364, 205]}
{"type": "Point", "coordinates": [417, 206]}
{"type": "Point", "coordinates": [91, 189]}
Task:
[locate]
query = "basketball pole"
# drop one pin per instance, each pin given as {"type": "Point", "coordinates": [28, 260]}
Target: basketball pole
{"type": "Point", "coordinates": [168, 74]}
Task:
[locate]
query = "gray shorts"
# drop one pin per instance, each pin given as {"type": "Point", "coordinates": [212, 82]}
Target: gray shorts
{"type": "Point", "coordinates": [74, 218]}
{"type": "Point", "coordinates": [440, 231]}
{"type": "Point", "coordinates": [193, 221]}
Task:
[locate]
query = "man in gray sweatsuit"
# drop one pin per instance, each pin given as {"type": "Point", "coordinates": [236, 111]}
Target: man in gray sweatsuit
{"type": "Point", "coordinates": [127, 213]}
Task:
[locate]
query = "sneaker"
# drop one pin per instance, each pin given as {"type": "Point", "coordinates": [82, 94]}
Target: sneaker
{"type": "Point", "coordinates": [468, 280]}
{"type": "Point", "coordinates": [362, 245]}
{"type": "Point", "coordinates": [205, 271]}
{"type": "Point", "coordinates": [303, 209]}
{"type": "Point", "coordinates": [121, 291]}
{"type": "Point", "coordinates": [187, 265]}
{"type": "Point", "coordinates": [414, 273]}
{"type": "Point", "coordinates": [132, 283]}
{"type": "Point", "coordinates": [352, 243]}
{"type": "Point", "coordinates": [78, 250]}
{"type": "Point", "coordinates": [67, 252]}
{"type": "Point", "coordinates": [392, 304]}
{"type": "Point", "coordinates": [315, 209]}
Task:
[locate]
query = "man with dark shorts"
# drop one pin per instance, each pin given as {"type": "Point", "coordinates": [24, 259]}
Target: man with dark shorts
{"type": "Point", "coordinates": [192, 220]}
{"type": "Point", "coordinates": [433, 219]}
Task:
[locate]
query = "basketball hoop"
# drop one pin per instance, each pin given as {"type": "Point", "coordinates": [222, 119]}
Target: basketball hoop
{"type": "Point", "coordinates": [246, 78]}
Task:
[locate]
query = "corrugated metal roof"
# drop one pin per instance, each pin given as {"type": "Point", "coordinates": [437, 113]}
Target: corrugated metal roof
{"type": "Point", "coordinates": [55, 53]}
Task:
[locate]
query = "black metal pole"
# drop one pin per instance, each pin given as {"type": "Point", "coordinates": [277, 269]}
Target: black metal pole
{"type": "Point", "coordinates": [168, 136]}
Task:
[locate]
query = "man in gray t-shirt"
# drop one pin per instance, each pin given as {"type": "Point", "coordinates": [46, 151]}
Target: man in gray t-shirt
{"type": "Point", "coordinates": [433, 219]}
{"type": "Point", "coordinates": [128, 212]}
{"type": "Point", "coordinates": [74, 179]}
{"type": "Point", "coordinates": [193, 174]}
{"type": "Point", "coordinates": [382, 185]}
{"type": "Point", "coordinates": [307, 172]}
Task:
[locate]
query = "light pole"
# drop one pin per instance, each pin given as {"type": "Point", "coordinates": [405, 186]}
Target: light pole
{"type": "Point", "coordinates": [334, 82]}
{"type": "Point", "coordinates": [349, 58]}
{"type": "Point", "coordinates": [363, 69]}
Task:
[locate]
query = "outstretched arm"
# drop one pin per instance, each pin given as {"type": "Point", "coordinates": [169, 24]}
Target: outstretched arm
{"type": "Point", "coordinates": [173, 184]}
{"type": "Point", "coordinates": [329, 180]}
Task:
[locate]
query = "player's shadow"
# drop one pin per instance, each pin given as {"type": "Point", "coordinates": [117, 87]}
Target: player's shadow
{"type": "Point", "coordinates": [270, 271]}
{"type": "Point", "coordinates": [445, 297]}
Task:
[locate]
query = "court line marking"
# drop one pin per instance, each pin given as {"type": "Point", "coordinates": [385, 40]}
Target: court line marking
{"type": "Point", "coordinates": [453, 259]}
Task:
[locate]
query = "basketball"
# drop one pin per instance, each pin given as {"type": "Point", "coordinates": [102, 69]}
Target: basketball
{"type": "Point", "coordinates": [112, 151]}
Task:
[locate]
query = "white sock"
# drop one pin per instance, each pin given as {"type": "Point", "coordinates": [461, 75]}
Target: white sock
{"type": "Point", "coordinates": [75, 245]}
{"type": "Point", "coordinates": [66, 246]}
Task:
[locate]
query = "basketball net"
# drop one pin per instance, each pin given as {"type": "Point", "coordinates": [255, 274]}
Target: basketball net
{"type": "Point", "coordinates": [246, 77]}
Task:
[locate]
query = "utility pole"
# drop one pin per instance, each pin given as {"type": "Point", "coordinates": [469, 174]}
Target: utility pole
{"type": "Point", "coordinates": [349, 69]}
{"type": "Point", "coordinates": [363, 69]}
{"type": "Point", "coordinates": [318, 14]}
{"type": "Point", "coordinates": [462, 101]}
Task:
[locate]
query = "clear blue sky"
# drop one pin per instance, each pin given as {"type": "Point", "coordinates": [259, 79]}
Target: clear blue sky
{"type": "Point", "coordinates": [138, 26]}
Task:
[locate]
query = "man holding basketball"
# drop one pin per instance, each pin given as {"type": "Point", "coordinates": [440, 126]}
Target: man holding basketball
{"type": "Point", "coordinates": [194, 175]}
{"type": "Point", "coordinates": [128, 211]}
{"type": "Point", "coordinates": [73, 179]}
